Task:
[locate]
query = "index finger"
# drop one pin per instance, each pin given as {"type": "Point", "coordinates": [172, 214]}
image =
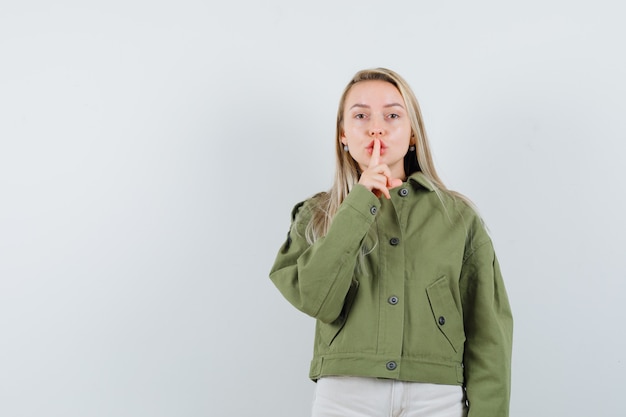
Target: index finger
{"type": "Point", "coordinates": [375, 159]}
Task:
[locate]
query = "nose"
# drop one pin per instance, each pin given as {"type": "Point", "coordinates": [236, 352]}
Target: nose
{"type": "Point", "coordinates": [376, 129]}
{"type": "Point", "coordinates": [376, 126]}
{"type": "Point", "coordinates": [374, 132]}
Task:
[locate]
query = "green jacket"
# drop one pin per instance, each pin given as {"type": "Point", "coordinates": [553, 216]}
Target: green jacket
{"type": "Point", "coordinates": [408, 289]}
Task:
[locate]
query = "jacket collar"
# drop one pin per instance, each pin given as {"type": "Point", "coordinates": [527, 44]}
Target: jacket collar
{"type": "Point", "coordinates": [418, 179]}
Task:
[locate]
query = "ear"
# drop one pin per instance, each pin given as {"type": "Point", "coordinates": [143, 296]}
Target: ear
{"type": "Point", "coordinates": [344, 140]}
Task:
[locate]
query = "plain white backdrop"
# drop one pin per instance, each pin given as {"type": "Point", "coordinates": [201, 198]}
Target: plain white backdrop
{"type": "Point", "coordinates": [151, 151]}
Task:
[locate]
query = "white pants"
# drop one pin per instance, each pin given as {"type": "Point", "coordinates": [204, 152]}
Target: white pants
{"type": "Point", "coordinates": [371, 397]}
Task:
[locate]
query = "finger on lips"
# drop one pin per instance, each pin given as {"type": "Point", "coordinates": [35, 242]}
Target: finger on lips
{"type": "Point", "coordinates": [381, 174]}
{"type": "Point", "coordinates": [375, 160]}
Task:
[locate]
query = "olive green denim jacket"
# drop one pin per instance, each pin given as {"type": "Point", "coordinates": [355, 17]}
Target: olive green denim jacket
{"type": "Point", "coordinates": [408, 289]}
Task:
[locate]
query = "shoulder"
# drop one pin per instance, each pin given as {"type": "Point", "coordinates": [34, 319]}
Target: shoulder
{"type": "Point", "coordinates": [306, 207]}
{"type": "Point", "coordinates": [465, 213]}
{"type": "Point", "coordinates": [477, 238]}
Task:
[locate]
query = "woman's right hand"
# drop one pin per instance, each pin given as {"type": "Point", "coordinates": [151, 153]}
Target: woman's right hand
{"type": "Point", "coordinates": [377, 177]}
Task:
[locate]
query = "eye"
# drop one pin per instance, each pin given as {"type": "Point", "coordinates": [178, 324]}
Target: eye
{"type": "Point", "coordinates": [359, 116]}
{"type": "Point", "coordinates": [394, 116]}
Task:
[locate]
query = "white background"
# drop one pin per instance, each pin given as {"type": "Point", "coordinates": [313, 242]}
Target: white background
{"type": "Point", "coordinates": [151, 152]}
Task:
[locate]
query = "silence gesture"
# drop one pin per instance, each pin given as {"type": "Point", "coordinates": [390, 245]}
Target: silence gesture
{"type": "Point", "coordinates": [377, 177]}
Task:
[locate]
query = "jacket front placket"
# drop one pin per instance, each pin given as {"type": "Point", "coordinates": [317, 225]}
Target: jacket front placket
{"type": "Point", "coordinates": [391, 286]}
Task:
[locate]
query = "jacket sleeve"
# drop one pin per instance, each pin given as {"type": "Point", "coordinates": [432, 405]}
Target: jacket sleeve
{"type": "Point", "coordinates": [489, 332]}
{"type": "Point", "coordinates": [316, 278]}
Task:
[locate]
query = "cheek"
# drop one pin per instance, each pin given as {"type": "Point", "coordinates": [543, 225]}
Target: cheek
{"type": "Point", "coordinates": [354, 126]}
{"type": "Point", "coordinates": [351, 134]}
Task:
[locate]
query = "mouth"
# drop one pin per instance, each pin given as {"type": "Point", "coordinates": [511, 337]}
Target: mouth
{"type": "Point", "coordinates": [370, 147]}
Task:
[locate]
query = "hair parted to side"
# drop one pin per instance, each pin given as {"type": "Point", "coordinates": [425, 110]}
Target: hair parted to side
{"type": "Point", "coordinates": [347, 171]}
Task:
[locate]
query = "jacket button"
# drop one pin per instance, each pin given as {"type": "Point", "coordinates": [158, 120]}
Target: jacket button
{"type": "Point", "coordinates": [403, 192]}
{"type": "Point", "coordinates": [391, 365]}
{"type": "Point", "coordinates": [393, 300]}
{"type": "Point", "coordinates": [394, 241]}
{"type": "Point", "coordinates": [373, 209]}
{"type": "Point", "coordinates": [442, 320]}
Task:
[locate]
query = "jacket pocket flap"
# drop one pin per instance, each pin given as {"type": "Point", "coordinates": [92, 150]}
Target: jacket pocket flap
{"type": "Point", "coordinates": [445, 313]}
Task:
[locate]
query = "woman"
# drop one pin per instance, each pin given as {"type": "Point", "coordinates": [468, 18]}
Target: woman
{"type": "Point", "coordinates": [412, 314]}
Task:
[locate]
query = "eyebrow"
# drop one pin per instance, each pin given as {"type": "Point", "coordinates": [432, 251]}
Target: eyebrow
{"type": "Point", "coordinates": [365, 106]}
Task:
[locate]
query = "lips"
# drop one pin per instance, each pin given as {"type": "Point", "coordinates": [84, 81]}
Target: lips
{"type": "Point", "coordinates": [370, 147]}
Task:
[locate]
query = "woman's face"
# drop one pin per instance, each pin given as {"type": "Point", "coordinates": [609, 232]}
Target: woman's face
{"type": "Point", "coordinates": [376, 109]}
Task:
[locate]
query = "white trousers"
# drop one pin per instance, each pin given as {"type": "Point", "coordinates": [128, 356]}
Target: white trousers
{"type": "Point", "coordinates": [371, 397]}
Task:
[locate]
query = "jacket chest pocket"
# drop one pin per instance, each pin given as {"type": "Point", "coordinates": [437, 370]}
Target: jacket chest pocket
{"type": "Point", "coordinates": [445, 313]}
{"type": "Point", "coordinates": [329, 331]}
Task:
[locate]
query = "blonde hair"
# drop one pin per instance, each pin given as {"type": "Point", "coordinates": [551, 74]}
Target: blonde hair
{"type": "Point", "coordinates": [347, 171]}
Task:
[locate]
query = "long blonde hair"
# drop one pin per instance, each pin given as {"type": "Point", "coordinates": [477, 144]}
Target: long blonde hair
{"type": "Point", "coordinates": [347, 171]}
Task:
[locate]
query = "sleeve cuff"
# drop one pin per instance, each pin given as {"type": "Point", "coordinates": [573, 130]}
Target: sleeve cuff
{"type": "Point", "coordinates": [363, 201]}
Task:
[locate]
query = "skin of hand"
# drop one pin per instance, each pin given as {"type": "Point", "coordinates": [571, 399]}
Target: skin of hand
{"type": "Point", "coordinates": [377, 177]}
